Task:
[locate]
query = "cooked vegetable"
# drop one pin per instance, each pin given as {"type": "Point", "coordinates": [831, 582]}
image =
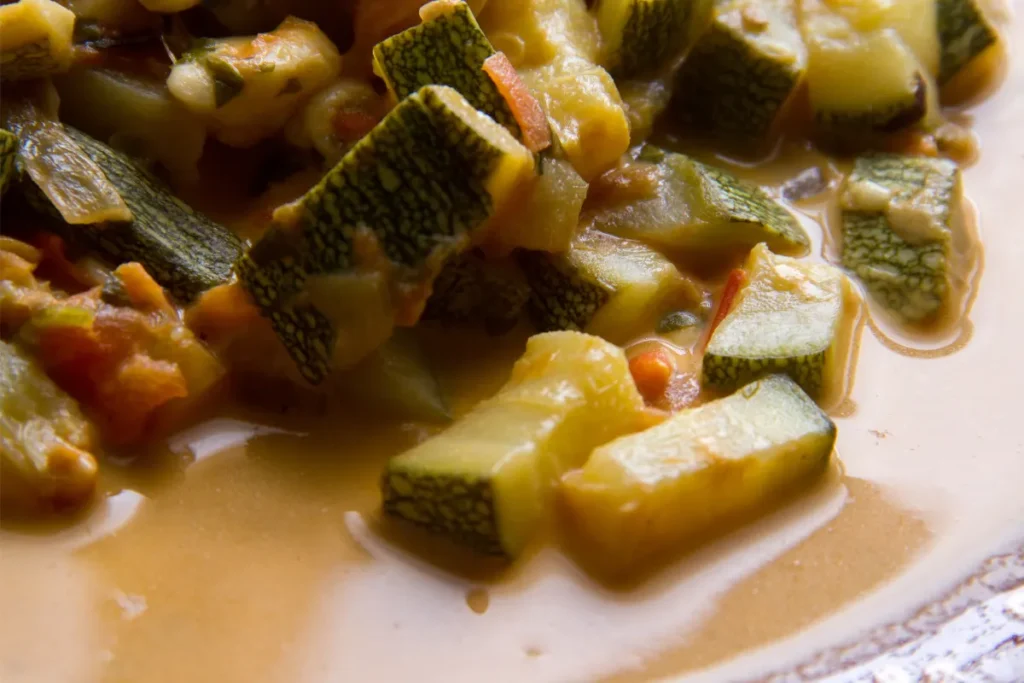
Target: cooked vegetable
{"type": "Point", "coordinates": [35, 39]}
{"type": "Point", "coordinates": [898, 218]}
{"type": "Point", "coordinates": [964, 34]}
{"type": "Point", "coordinates": [397, 379]}
{"type": "Point", "coordinates": [807, 184]}
{"type": "Point", "coordinates": [45, 443]}
{"type": "Point", "coordinates": [652, 372]}
{"type": "Point", "coordinates": [168, 6]}
{"type": "Point", "coordinates": [555, 46]}
{"type": "Point", "coordinates": [125, 363]}
{"type": "Point", "coordinates": [586, 114]}
{"type": "Point", "coordinates": [250, 86]}
{"type": "Point", "coordinates": [336, 118]}
{"type": "Point", "coordinates": [8, 156]}
{"type": "Point", "coordinates": [182, 249]}
{"type": "Point", "coordinates": [75, 185]}
{"type": "Point", "coordinates": [641, 36]}
{"type": "Point", "coordinates": [604, 285]}
{"type": "Point", "coordinates": [546, 218]}
{"type": "Point", "coordinates": [785, 320]}
{"type": "Point", "coordinates": [846, 41]}
{"type": "Point", "coordinates": [485, 481]}
{"type": "Point", "coordinates": [135, 113]}
{"type": "Point", "coordinates": [448, 48]}
{"type": "Point", "coordinates": [645, 495]}
{"type": "Point", "coordinates": [681, 205]}
{"type": "Point", "coordinates": [677, 320]}
{"type": "Point", "coordinates": [533, 122]}
{"type": "Point", "coordinates": [394, 205]}
{"type": "Point", "coordinates": [742, 72]}
{"type": "Point", "coordinates": [644, 101]}
{"type": "Point", "coordinates": [472, 289]}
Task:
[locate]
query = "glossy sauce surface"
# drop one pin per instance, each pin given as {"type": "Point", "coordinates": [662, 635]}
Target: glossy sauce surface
{"type": "Point", "coordinates": [251, 549]}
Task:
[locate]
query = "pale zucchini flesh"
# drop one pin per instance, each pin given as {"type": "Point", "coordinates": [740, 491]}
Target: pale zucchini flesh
{"type": "Point", "coordinates": [604, 285]}
{"type": "Point", "coordinates": [645, 495]}
{"type": "Point", "coordinates": [786, 319]}
{"type": "Point", "coordinates": [35, 39]}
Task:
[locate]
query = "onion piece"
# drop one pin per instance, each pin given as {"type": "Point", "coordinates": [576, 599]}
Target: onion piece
{"type": "Point", "coordinates": [73, 183]}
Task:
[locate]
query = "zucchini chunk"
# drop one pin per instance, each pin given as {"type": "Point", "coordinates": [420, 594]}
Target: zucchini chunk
{"type": "Point", "coordinates": [448, 48]}
{"type": "Point", "coordinates": [964, 34]}
{"type": "Point", "coordinates": [8, 157]}
{"type": "Point", "coordinates": [249, 86]}
{"type": "Point", "coordinates": [604, 285]}
{"type": "Point", "coordinates": [644, 495]}
{"type": "Point", "coordinates": [411, 194]}
{"type": "Point", "coordinates": [35, 39]}
{"type": "Point", "coordinates": [687, 206]}
{"type": "Point", "coordinates": [546, 218]}
{"type": "Point", "coordinates": [895, 46]}
{"type": "Point", "coordinates": [898, 216]}
{"type": "Point", "coordinates": [641, 36]}
{"type": "Point", "coordinates": [486, 480]}
{"type": "Point", "coordinates": [785, 320]}
{"type": "Point", "coordinates": [182, 249]}
{"type": "Point", "coordinates": [135, 111]}
{"type": "Point", "coordinates": [742, 71]}
{"type": "Point", "coordinates": [472, 289]}
{"type": "Point", "coordinates": [45, 441]}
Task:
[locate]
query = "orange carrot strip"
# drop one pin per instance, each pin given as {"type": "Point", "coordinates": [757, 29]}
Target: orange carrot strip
{"type": "Point", "coordinates": [652, 371]}
{"type": "Point", "coordinates": [525, 107]}
{"type": "Point", "coordinates": [737, 277]}
{"type": "Point", "coordinates": [142, 290]}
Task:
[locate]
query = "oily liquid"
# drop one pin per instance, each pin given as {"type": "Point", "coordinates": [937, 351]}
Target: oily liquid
{"type": "Point", "coordinates": [252, 549]}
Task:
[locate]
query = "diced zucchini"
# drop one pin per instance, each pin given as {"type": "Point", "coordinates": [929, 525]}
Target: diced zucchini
{"type": "Point", "coordinates": [642, 36]}
{"type": "Point", "coordinates": [586, 115]}
{"type": "Point", "coordinates": [964, 33]}
{"type": "Point", "coordinates": [785, 320]}
{"type": "Point", "coordinates": [743, 70]}
{"type": "Point", "coordinates": [546, 218]}
{"type": "Point", "coordinates": [448, 48]}
{"type": "Point", "coordinates": [644, 101]}
{"type": "Point", "coordinates": [403, 200]}
{"type": "Point", "coordinates": [473, 289]}
{"type": "Point", "coordinates": [644, 496]}
{"type": "Point", "coordinates": [8, 157]}
{"type": "Point", "coordinates": [397, 379]}
{"type": "Point", "coordinates": [182, 249]}
{"type": "Point", "coordinates": [898, 217]}
{"type": "Point", "coordinates": [694, 206]}
{"type": "Point", "coordinates": [35, 39]}
{"type": "Point", "coordinates": [486, 480]}
{"type": "Point", "coordinates": [45, 442]}
{"type": "Point", "coordinates": [136, 113]}
{"type": "Point", "coordinates": [249, 86]}
{"type": "Point", "coordinates": [847, 41]}
{"type": "Point", "coordinates": [604, 285]}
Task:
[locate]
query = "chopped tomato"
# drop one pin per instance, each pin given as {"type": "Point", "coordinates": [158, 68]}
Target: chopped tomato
{"type": "Point", "coordinates": [525, 108]}
{"type": "Point", "coordinates": [652, 371]}
{"type": "Point", "coordinates": [737, 277]}
{"type": "Point", "coordinates": [142, 290]}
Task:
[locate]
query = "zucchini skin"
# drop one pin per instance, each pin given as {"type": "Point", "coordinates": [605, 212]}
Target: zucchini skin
{"type": "Point", "coordinates": [8, 157]}
{"type": "Point", "coordinates": [730, 86]}
{"type": "Point", "coordinates": [414, 190]}
{"type": "Point", "coordinates": [910, 279]}
{"type": "Point", "coordinates": [964, 33]}
{"type": "Point", "coordinates": [184, 251]}
{"type": "Point", "coordinates": [447, 49]}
